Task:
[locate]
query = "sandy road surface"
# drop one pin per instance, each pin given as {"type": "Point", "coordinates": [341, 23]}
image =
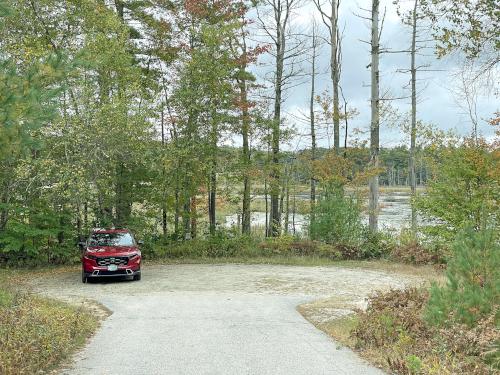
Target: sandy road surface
{"type": "Point", "coordinates": [219, 319]}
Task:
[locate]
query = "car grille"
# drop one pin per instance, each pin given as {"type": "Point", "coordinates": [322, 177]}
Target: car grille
{"type": "Point", "coordinates": [119, 261]}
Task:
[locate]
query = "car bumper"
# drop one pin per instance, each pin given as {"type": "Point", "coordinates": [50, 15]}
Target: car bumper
{"type": "Point", "coordinates": [117, 273]}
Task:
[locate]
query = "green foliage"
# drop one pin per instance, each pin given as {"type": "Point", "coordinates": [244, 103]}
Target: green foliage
{"type": "Point", "coordinates": [337, 219]}
{"type": "Point", "coordinates": [470, 26]}
{"type": "Point", "coordinates": [464, 191]}
{"type": "Point", "coordinates": [221, 245]}
{"type": "Point", "coordinates": [473, 287]}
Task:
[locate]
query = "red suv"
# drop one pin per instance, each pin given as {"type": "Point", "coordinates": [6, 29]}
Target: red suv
{"type": "Point", "coordinates": [111, 253]}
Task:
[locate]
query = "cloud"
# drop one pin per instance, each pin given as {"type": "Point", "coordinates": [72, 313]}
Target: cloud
{"type": "Point", "coordinates": [437, 101]}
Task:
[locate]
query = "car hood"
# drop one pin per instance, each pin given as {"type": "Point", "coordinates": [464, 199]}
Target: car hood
{"type": "Point", "coordinates": [101, 251]}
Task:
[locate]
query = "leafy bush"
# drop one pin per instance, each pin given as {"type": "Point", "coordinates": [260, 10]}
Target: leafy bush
{"type": "Point", "coordinates": [38, 235]}
{"type": "Point", "coordinates": [376, 244]}
{"type": "Point", "coordinates": [290, 246]}
{"type": "Point", "coordinates": [464, 190]}
{"type": "Point", "coordinates": [473, 287]}
{"type": "Point", "coordinates": [336, 219]}
{"type": "Point", "coordinates": [218, 246]}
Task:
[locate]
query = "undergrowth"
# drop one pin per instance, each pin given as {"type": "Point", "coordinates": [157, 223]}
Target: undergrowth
{"type": "Point", "coordinates": [37, 334]}
{"type": "Point", "coordinates": [393, 327]}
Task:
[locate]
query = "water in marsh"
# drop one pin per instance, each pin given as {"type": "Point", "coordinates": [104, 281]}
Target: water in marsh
{"type": "Point", "coordinates": [395, 214]}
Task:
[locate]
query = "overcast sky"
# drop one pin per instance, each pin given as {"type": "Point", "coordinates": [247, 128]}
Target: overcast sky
{"type": "Point", "coordinates": [437, 103]}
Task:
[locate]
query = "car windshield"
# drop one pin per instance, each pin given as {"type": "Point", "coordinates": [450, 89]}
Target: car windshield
{"type": "Point", "coordinates": [111, 239]}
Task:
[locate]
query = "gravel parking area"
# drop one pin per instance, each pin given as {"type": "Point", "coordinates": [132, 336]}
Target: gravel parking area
{"type": "Point", "coordinates": [219, 319]}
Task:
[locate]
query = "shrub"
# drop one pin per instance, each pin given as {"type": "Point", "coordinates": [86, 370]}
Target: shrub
{"type": "Point", "coordinates": [393, 327]}
{"type": "Point", "coordinates": [464, 189]}
{"type": "Point", "coordinates": [36, 334]}
{"type": "Point", "coordinates": [473, 287]}
{"type": "Point", "coordinates": [218, 246]}
{"type": "Point", "coordinates": [376, 244]}
{"type": "Point", "coordinates": [415, 253]}
{"type": "Point", "coordinates": [290, 246]}
{"type": "Point", "coordinates": [388, 314]}
{"type": "Point", "coordinates": [336, 219]}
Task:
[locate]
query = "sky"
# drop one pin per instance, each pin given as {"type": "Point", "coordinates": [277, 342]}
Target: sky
{"type": "Point", "coordinates": [438, 102]}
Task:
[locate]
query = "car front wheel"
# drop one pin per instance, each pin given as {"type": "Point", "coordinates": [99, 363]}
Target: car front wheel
{"type": "Point", "coordinates": [84, 278]}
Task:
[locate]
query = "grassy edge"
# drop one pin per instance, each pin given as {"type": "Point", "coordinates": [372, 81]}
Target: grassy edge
{"type": "Point", "coordinates": [44, 332]}
{"type": "Point", "coordinates": [339, 329]}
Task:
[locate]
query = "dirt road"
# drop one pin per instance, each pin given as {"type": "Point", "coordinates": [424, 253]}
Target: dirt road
{"type": "Point", "coordinates": [220, 319]}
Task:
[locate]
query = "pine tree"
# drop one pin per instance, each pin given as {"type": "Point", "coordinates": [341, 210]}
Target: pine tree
{"type": "Point", "coordinates": [473, 287]}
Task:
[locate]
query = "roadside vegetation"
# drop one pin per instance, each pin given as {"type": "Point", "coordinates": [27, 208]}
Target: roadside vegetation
{"type": "Point", "coordinates": [38, 334]}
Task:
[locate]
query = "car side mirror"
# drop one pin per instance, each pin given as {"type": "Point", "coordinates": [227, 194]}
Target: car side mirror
{"type": "Point", "coordinates": [140, 242]}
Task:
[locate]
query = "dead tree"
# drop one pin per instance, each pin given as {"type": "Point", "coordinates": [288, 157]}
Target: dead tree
{"type": "Point", "coordinates": [375, 117]}
{"type": "Point", "coordinates": [275, 19]}
{"type": "Point", "coordinates": [331, 22]}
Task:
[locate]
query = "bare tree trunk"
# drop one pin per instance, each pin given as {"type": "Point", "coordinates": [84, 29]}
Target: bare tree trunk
{"type": "Point", "coordinates": [213, 180]}
{"type": "Point", "coordinates": [267, 208]}
{"type": "Point", "coordinates": [164, 192]}
{"type": "Point", "coordinates": [375, 118]}
{"type": "Point", "coordinates": [313, 125]}
{"type": "Point", "coordinates": [276, 133]}
{"type": "Point", "coordinates": [331, 21]}
{"type": "Point", "coordinates": [177, 206]}
{"type": "Point", "coordinates": [413, 136]}
{"type": "Point", "coordinates": [194, 217]}
{"type": "Point", "coordinates": [287, 199]}
{"type": "Point", "coordinates": [245, 127]}
{"type": "Point", "coordinates": [186, 216]}
{"type": "Point", "coordinates": [346, 119]}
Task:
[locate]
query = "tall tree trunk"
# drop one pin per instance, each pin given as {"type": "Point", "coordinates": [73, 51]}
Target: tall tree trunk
{"type": "Point", "coordinates": [194, 217]}
{"type": "Point", "coordinates": [212, 193]}
{"type": "Point", "coordinates": [413, 136]}
{"type": "Point", "coordinates": [276, 124]}
{"type": "Point", "coordinates": [163, 182]}
{"type": "Point", "coordinates": [267, 208]}
{"type": "Point", "coordinates": [287, 198]}
{"type": "Point", "coordinates": [375, 118]}
{"type": "Point", "coordinates": [335, 73]}
{"type": "Point", "coordinates": [331, 20]}
{"type": "Point", "coordinates": [313, 126]}
{"type": "Point", "coordinates": [245, 129]}
{"type": "Point", "coordinates": [186, 214]}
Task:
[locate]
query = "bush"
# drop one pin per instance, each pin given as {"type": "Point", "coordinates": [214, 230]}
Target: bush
{"type": "Point", "coordinates": [376, 244]}
{"type": "Point", "coordinates": [415, 253]}
{"type": "Point", "coordinates": [219, 246]}
{"type": "Point", "coordinates": [336, 219]}
{"type": "Point", "coordinates": [463, 190]}
{"type": "Point", "coordinates": [473, 287]}
{"type": "Point", "coordinates": [388, 315]}
{"type": "Point", "coordinates": [290, 246]}
{"type": "Point", "coordinates": [393, 331]}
